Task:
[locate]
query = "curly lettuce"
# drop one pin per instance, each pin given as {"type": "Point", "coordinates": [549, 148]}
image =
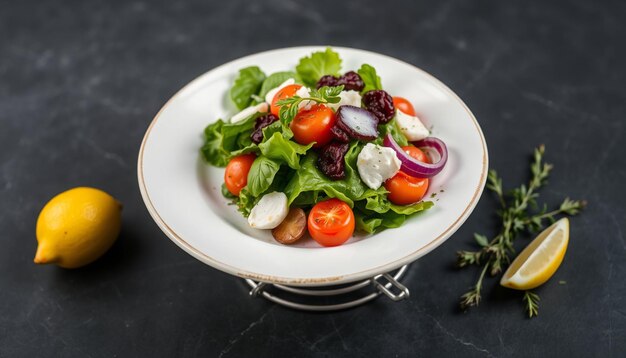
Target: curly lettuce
{"type": "Point", "coordinates": [321, 63]}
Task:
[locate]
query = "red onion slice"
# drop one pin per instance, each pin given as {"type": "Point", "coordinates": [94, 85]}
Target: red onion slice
{"type": "Point", "coordinates": [414, 167]}
{"type": "Point", "coordinates": [357, 122]}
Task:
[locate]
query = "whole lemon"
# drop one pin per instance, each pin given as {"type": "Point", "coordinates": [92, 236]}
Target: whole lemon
{"type": "Point", "coordinates": [77, 226]}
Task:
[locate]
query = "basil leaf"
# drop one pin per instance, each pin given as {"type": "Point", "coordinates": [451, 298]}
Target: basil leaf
{"type": "Point", "coordinates": [281, 149]}
{"type": "Point", "coordinates": [370, 78]}
{"type": "Point", "coordinates": [247, 84]}
{"type": "Point", "coordinates": [274, 80]}
{"type": "Point", "coordinates": [320, 63]}
{"type": "Point", "coordinates": [261, 175]}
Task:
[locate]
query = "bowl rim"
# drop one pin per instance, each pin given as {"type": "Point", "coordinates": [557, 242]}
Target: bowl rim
{"type": "Point", "coordinates": [321, 281]}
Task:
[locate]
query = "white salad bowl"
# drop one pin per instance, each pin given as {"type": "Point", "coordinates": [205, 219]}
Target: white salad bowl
{"type": "Point", "coordinates": [182, 192]}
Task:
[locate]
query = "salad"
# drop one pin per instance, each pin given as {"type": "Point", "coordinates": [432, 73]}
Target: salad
{"type": "Point", "coordinates": [314, 150]}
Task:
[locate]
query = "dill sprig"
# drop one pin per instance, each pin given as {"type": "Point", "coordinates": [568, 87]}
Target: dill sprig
{"type": "Point", "coordinates": [519, 213]}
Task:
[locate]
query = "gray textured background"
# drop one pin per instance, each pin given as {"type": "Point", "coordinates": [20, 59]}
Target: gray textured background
{"type": "Point", "coordinates": [81, 80]}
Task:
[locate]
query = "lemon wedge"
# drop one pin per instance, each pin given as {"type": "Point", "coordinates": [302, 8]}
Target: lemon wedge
{"type": "Point", "coordinates": [540, 259]}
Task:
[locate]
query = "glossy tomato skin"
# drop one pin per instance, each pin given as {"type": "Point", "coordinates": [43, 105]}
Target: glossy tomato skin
{"type": "Point", "coordinates": [404, 105]}
{"type": "Point", "coordinates": [404, 189]}
{"type": "Point", "coordinates": [236, 174]}
{"type": "Point", "coordinates": [331, 222]}
{"type": "Point", "coordinates": [314, 125]}
{"type": "Point", "coordinates": [285, 92]}
{"type": "Point", "coordinates": [416, 153]}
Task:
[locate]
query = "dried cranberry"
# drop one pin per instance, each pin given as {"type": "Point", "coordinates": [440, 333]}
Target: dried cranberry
{"type": "Point", "coordinates": [380, 103]}
{"type": "Point", "coordinates": [262, 122]}
{"type": "Point", "coordinates": [331, 160]}
{"type": "Point", "coordinates": [351, 81]}
{"type": "Point", "coordinates": [257, 136]}
{"type": "Point", "coordinates": [339, 135]}
{"type": "Point", "coordinates": [327, 80]}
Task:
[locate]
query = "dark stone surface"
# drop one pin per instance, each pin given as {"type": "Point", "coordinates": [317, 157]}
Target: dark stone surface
{"type": "Point", "coordinates": [81, 80]}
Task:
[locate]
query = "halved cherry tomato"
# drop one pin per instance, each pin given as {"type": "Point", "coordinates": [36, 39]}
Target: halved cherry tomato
{"type": "Point", "coordinates": [405, 189]}
{"type": "Point", "coordinates": [236, 174]}
{"type": "Point", "coordinates": [313, 125]}
{"type": "Point", "coordinates": [404, 105]}
{"type": "Point", "coordinates": [331, 222]}
{"type": "Point", "coordinates": [285, 92]}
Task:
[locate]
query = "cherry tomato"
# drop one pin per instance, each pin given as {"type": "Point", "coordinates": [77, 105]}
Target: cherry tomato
{"type": "Point", "coordinates": [405, 189]}
{"type": "Point", "coordinates": [404, 105]}
{"type": "Point", "coordinates": [236, 174]}
{"type": "Point", "coordinates": [416, 153]}
{"type": "Point", "coordinates": [331, 222]}
{"type": "Point", "coordinates": [285, 92]}
{"type": "Point", "coordinates": [313, 125]}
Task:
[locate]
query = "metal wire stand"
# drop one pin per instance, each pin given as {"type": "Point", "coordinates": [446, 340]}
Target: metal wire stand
{"type": "Point", "coordinates": [379, 284]}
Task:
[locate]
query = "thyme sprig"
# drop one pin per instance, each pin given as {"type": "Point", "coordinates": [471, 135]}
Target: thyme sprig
{"type": "Point", "coordinates": [289, 106]}
{"type": "Point", "coordinates": [531, 303]}
{"type": "Point", "coordinates": [519, 213]}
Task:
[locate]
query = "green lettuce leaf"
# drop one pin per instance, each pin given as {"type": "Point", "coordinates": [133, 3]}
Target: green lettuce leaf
{"type": "Point", "coordinates": [282, 149]}
{"type": "Point", "coordinates": [376, 222]}
{"type": "Point", "coordinates": [212, 150]}
{"type": "Point", "coordinates": [261, 175]}
{"type": "Point", "coordinates": [368, 224]}
{"type": "Point", "coordinates": [245, 202]}
{"type": "Point", "coordinates": [274, 80]}
{"type": "Point", "coordinates": [380, 204]}
{"type": "Point", "coordinates": [247, 84]}
{"type": "Point", "coordinates": [391, 127]}
{"type": "Point", "coordinates": [222, 140]}
{"type": "Point", "coordinates": [308, 184]}
{"type": "Point", "coordinates": [312, 68]}
{"type": "Point", "coordinates": [277, 127]}
{"type": "Point", "coordinates": [370, 78]}
{"type": "Point", "coordinates": [376, 213]}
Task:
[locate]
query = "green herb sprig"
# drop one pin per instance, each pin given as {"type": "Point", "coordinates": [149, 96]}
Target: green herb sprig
{"type": "Point", "coordinates": [516, 217]}
{"type": "Point", "coordinates": [289, 106]}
